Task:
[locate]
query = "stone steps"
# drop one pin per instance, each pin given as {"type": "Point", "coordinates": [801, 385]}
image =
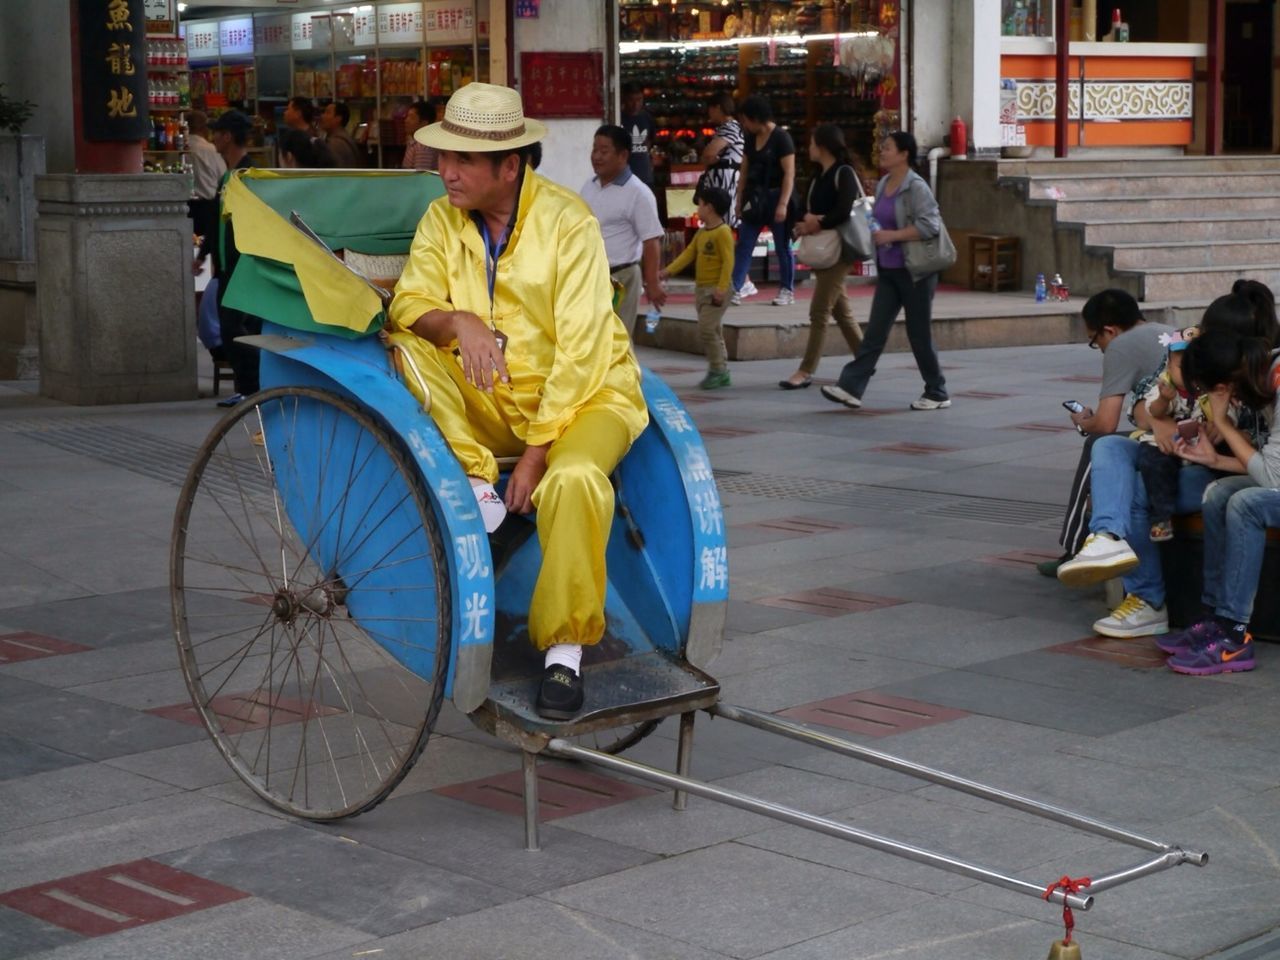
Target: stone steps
{"type": "Point", "coordinates": [1181, 185]}
{"type": "Point", "coordinates": [1124, 168]}
{"type": "Point", "coordinates": [1195, 207]}
{"type": "Point", "coordinates": [1174, 283]}
{"type": "Point", "coordinates": [1193, 254]}
{"type": "Point", "coordinates": [1139, 230]}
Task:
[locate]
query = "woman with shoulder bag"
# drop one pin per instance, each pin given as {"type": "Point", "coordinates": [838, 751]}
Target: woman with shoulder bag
{"type": "Point", "coordinates": [831, 197]}
{"type": "Point", "coordinates": [910, 231]}
{"type": "Point", "coordinates": [764, 199]}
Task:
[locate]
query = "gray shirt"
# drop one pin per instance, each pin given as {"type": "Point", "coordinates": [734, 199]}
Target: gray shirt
{"type": "Point", "coordinates": [1264, 466]}
{"type": "Point", "coordinates": [1130, 358]}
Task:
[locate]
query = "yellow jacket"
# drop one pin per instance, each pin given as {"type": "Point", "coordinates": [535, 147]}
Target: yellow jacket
{"type": "Point", "coordinates": [566, 348]}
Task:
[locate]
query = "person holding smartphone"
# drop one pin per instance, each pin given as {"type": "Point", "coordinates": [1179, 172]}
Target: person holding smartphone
{"type": "Point", "coordinates": [1131, 351]}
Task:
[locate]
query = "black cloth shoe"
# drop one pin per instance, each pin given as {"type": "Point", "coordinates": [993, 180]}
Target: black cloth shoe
{"type": "Point", "coordinates": [560, 694]}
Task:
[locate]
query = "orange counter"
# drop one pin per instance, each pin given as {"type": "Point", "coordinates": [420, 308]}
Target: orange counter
{"type": "Point", "coordinates": [1134, 94]}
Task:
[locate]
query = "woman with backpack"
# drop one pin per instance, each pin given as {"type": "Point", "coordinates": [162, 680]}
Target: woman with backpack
{"type": "Point", "coordinates": [830, 201]}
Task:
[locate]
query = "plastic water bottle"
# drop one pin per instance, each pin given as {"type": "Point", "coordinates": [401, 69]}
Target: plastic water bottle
{"type": "Point", "coordinates": [651, 319]}
{"type": "Point", "coordinates": [1041, 293]}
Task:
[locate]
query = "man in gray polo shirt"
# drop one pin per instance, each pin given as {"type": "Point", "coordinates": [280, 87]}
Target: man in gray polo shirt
{"type": "Point", "coordinates": [628, 216]}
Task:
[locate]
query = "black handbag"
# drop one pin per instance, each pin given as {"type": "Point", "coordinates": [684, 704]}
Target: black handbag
{"type": "Point", "coordinates": [756, 208]}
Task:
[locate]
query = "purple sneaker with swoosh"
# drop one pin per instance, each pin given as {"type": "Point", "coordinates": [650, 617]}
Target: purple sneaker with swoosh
{"type": "Point", "coordinates": [1220, 656]}
{"type": "Point", "coordinates": [1196, 637]}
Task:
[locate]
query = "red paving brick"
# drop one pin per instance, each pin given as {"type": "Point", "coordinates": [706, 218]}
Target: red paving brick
{"type": "Point", "coordinates": [240, 712]}
{"type": "Point", "coordinates": [16, 647]}
{"type": "Point", "coordinates": [562, 792]}
{"type": "Point", "coordinates": [1021, 559]}
{"type": "Point", "coordinates": [912, 449]}
{"type": "Point", "coordinates": [728, 433]}
{"type": "Point", "coordinates": [1141, 654]}
{"type": "Point", "coordinates": [1045, 427]}
{"type": "Point", "coordinates": [983, 395]}
{"type": "Point", "coordinates": [1079, 378]}
{"type": "Point", "coordinates": [872, 714]}
{"type": "Point", "coordinates": [799, 526]}
{"type": "Point", "coordinates": [675, 369]}
{"type": "Point", "coordinates": [120, 897]}
{"type": "Point", "coordinates": [829, 602]}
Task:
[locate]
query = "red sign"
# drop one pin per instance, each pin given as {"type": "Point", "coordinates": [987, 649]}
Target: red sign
{"type": "Point", "coordinates": [563, 84]}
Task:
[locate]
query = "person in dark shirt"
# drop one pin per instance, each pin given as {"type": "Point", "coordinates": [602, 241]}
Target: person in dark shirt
{"type": "Point", "coordinates": [231, 137]}
{"type": "Point", "coordinates": [639, 125]}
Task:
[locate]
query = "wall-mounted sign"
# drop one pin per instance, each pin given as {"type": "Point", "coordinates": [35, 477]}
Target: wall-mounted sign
{"type": "Point", "coordinates": [527, 9]}
{"type": "Point", "coordinates": [113, 74]}
{"type": "Point", "coordinates": [202, 39]}
{"type": "Point", "coordinates": [450, 22]}
{"type": "Point", "coordinates": [302, 31]}
{"type": "Point", "coordinates": [563, 84]}
{"type": "Point", "coordinates": [161, 17]}
{"type": "Point", "coordinates": [364, 26]}
{"type": "Point", "coordinates": [235, 37]}
{"type": "Point", "coordinates": [400, 23]}
{"type": "Point", "coordinates": [272, 34]}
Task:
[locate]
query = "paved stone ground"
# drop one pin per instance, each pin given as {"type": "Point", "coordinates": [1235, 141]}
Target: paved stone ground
{"type": "Point", "coordinates": [930, 544]}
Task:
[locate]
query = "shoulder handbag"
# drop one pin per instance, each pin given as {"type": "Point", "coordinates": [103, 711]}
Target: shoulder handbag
{"type": "Point", "coordinates": [822, 249]}
{"type": "Point", "coordinates": [924, 258]}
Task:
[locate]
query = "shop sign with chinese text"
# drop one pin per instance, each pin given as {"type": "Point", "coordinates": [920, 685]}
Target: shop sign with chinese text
{"type": "Point", "coordinates": [113, 75]}
{"type": "Point", "coordinates": [449, 22]}
{"type": "Point", "coordinates": [562, 84]}
{"type": "Point", "coordinates": [272, 34]}
{"type": "Point", "coordinates": [400, 23]}
{"type": "Point", "coordinates": [235, 37]}
{"type": "Point", "coordinates": [202, 40]}
{"type": "Point", "coordinates": [162, 18]}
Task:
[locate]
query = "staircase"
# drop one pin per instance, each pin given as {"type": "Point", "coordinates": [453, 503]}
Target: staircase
{"type": "Point", "coordinates": [1173, 230]}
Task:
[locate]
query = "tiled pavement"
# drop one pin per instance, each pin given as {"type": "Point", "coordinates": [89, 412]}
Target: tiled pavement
{"type": "Point", "coordinates": [881, 571]}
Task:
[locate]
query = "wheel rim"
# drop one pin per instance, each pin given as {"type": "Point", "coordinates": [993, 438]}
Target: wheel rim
{"type": "Point", "coordinates": [311, 606]}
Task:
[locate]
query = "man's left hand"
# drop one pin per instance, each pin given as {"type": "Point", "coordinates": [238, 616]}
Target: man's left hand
{"type": "Point", "coordinates": [525, 478]}
{"type": "Point", "coordinates": [657, 296]}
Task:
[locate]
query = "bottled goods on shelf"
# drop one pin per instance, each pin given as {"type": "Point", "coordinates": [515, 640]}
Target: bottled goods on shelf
{"type": "Point", "coordinates": [166, 53]}
{"type": "Point", "coordinates": [1027, 18]}
{"type": "Point", "coordinates": [168, 92]}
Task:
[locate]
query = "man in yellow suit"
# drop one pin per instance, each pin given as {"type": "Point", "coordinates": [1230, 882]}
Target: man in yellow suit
{"type": "Point", "coordinates": [506, 306]}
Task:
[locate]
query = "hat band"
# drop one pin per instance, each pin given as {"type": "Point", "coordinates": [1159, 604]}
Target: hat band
{"type": "Point", "coordinates": [448, 126]}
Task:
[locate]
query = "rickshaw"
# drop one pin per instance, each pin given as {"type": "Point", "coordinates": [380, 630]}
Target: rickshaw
{"type": "Point", "coordinates": [333, 583]}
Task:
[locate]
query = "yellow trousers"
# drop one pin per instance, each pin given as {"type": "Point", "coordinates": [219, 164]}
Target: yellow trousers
{"type": "Point", "coordinates": [574, 501]}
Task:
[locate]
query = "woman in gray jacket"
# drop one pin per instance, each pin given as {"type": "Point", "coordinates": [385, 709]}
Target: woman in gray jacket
{"type": "Point", "coordinates": [905, 210]}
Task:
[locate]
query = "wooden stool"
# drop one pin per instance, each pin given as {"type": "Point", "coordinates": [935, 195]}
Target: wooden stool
{"type": "Point", "coordinates": [221, 371]}
{"type": "Point", "coordinates": [995, 262]}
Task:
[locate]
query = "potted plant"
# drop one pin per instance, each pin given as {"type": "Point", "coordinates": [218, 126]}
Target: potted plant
{"type": "Point", "coordinates": [21, 161]}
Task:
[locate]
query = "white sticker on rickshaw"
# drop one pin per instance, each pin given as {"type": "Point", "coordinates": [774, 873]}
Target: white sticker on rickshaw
{"type": "Point", "coordinates": [696, 464]}
{"type": "Point", "coordinates": [471, 561]}
{"type": "Point", "coordinates": [475, 613]}
{"type": "Point", "coordinates": [674, 416]}
{"type": "Point", "coordinates": [710, 513]}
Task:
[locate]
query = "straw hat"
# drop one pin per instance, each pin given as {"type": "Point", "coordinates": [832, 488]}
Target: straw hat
{"type": "Point", "coordinates": [482, 117]}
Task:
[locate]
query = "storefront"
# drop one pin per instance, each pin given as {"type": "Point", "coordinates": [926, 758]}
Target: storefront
{"type": "Point", "coordinates": [376, 58]}
{"type": "Point", "coordinates": [838, 61]}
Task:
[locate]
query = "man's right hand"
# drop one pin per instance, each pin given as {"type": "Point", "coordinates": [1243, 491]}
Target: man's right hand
{"type": "Point", "coordinates": [478, 348]}
{"type": "Point", "coordinates": [1166, 434]}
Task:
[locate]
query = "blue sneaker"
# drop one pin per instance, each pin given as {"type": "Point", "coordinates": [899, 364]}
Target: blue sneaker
{"type": "Point", "coordinates": [1220, 656]}
{"type": "Point", "coordinates": [1196, 637]}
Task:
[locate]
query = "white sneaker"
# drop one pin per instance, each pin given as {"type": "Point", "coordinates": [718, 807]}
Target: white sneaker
{"type": "Point", "coordinates": [735, 299]}
{"type": "Point", "coordinates": [837, 395]}
{"type": "Point", "coordinates": [784, 298]}
{"type": "Point", "coordinates": [928, 403]}
{"type": "Point", "coordinates": [1133, 618]}
{"type": "Point", "coordinates": [748, 288]}
{"type": "Point", "coordinates": [1101, 558]}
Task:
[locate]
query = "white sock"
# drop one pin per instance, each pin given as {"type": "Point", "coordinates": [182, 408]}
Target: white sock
{"type": "Point", "coordinates": [492, 510]}
{"type": "Point", "coordinates": [566, 655]}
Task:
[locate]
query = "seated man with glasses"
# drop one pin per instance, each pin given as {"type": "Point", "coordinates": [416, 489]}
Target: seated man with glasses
{"type": "Point", "coordinates": [1132, 351]}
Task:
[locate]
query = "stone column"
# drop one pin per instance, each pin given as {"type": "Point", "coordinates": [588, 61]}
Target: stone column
{"type": "Point", "coordinates": [115, 290]}
{"type": "Point", "coordinates": [975, 66]}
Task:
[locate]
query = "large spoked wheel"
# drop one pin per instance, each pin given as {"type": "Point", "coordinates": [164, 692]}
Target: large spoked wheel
{"type": "Point", "coordinates": [311, 601]}
{"type": "Point", "coordinates": [616, 739]}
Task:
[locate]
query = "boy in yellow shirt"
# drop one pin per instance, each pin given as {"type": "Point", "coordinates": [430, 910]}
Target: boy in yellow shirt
{"type": "Point", "coordinates": [713, 247]}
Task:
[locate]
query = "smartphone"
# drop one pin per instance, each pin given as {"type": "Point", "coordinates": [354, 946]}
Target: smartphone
{"type": "Point", "coordinates": [1075, 406]}
{"type": "Point", "coordinates": [1189, 430]}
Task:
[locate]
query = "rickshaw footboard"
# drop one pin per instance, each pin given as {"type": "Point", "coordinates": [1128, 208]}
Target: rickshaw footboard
{"type": "Point", "coordinates": [1166, 855]}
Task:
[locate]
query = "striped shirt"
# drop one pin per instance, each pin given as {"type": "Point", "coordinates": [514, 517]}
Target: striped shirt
{"type": "Point", "coordinates": [418, 156]}
{"type": "Point", "coordinates": [723, 173]}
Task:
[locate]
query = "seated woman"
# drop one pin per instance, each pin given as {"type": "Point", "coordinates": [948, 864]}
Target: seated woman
{"type": "Point", "coordinates": [1237, 510]}
{"type": "Point", "coordinates": [1119, 541]}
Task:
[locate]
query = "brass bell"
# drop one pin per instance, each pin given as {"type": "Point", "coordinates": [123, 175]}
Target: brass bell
{"type": "Point", "coordinates": [1064, 951]}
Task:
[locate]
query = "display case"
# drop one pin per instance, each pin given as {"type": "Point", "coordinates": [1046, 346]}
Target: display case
{"type": "Point", "coordinates": [1026, 18]}
{"type": "Point", "coordinates": [168, 98]}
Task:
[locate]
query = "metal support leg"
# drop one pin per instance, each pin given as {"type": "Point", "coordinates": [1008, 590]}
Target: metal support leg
{"type": "Point", "coordinates": [530, 762]}
{"type": "Point", "coordinates": [684, 757]}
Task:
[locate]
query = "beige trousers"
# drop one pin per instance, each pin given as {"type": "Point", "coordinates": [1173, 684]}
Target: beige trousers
{"type": "Point", "coordinates": [632, 281]}
{"type": "Point", "coordinates": [829, 301]}
{"type": "Point", "coordinates": [710, 327]}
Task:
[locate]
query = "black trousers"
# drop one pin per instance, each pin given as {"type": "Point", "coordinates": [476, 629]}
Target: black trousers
{"type": "Point", "coordinates": [897, 292]}
{"type": "Point", "coordinates": [1160, 477]}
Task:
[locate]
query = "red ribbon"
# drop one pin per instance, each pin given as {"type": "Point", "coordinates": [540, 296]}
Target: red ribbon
{"type": "Point", "coordinates": [1068, 886]}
